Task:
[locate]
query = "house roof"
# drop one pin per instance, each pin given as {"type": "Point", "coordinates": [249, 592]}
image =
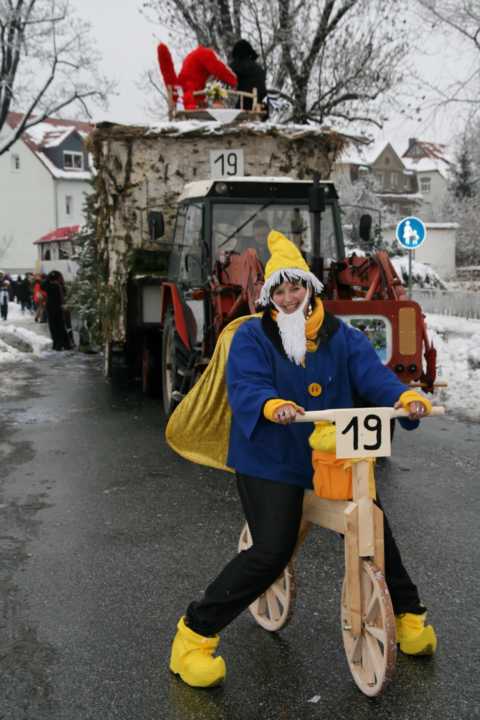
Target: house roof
{"type": "Point", "coordinates": [49, 133]}
{"type": "Point", "coordinates": [367, 155]}
{"type": "Point", "coordinates": [62, 233]}
{"type": "Point", "coordinates": [427, 165]}
{"type": "Point", "coordinates": [432, 150]}
{"type": "Point", "coordinates": [434, 157]}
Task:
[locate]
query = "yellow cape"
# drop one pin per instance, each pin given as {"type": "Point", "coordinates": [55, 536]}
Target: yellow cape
{"type": "Point", "coordinates": [199, 427]}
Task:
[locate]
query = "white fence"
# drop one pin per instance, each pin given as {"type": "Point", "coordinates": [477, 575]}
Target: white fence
{"type": "Point", "coordinates": [449, 302]}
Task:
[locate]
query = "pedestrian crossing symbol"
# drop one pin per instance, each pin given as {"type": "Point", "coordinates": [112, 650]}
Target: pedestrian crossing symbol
{"type": "Point", "coordinates": [411, 233]}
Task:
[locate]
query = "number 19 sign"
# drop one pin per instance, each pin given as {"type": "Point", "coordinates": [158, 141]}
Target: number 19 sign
{"type": "Point", "coordinates": [363, 433]}
{"type": "Point", "coordinates": [226, 163]}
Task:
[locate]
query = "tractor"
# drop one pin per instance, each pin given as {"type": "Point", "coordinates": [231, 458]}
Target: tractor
{"type": "Point", "coordinates": [216, 267]}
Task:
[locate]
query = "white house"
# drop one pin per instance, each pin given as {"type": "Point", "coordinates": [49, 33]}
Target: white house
{"type": "Point", "coordinates": [396, 185]}
{"type": "Point", "coordinates": [55, 251]}
{"type": "Point", "coordinates": [43, 181]}
{"type": "Point", "coordinates": [432, 166]}
{"type": "Point", "coordinates": [413, 184]}
{"type": "Point", "coordinates": [438, 250]}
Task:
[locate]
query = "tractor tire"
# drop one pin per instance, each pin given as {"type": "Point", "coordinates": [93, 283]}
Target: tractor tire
{"type": "Point", "coordinates": [173, 364]}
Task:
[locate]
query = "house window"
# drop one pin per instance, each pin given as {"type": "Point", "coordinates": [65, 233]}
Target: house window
{"type": "Point", "coordinates": [425, 185]}
{"type": "Point", "coordinates": [64, 250]}
{"type": "Point", "coordinates": [395, 180]}
{"type": "Point", "coordinates": [15, 159]}
{"type": "Point", "coordinates": [73, 160]}
{"type": "Point", "coordinates": [68, 205]}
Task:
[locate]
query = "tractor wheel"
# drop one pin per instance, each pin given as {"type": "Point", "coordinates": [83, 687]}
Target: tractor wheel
{"type": "Point", "coordinates": [174, 363]}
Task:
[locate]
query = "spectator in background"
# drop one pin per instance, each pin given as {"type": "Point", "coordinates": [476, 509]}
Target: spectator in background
{"type": "Point", "coordinates": [24, 293]}
{"type": "Point", "coordinates": [54, 288]}
{"type": "Point", "coordinates": [4, 298]}
{"type": "Point", "coordinates": [39, 299]}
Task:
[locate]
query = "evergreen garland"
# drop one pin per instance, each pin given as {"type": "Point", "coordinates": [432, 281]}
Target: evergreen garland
{"type": "Point", "coordinates": [84, 294]}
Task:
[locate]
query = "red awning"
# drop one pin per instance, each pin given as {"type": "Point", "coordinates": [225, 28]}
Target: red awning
{"type": "Point", "coordinates": [63, 233]}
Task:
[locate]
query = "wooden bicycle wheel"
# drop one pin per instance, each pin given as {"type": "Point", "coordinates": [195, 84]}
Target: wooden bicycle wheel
{"type": "Point", "coordinates": [371, 656]}
{"type": "Point", "coordinates": [274, 608]}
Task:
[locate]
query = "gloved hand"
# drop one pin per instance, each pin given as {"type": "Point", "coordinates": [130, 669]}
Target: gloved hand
{"type": "Point", "coordinates": [415, 404]}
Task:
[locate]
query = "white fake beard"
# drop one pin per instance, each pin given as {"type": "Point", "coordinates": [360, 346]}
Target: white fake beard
{"type": "Point", "coordinates": [292, 331]}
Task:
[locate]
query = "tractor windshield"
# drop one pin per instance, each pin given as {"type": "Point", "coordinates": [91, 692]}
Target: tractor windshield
{"type": "Point", "coordinates": [238, 226]}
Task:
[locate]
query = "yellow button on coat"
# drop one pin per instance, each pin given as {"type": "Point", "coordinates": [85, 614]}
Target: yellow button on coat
{"type": "Point", "coordinates": [315, 389]}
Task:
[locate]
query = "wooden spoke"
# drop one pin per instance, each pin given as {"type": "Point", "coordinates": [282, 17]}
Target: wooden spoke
{"type": "Point", "coordinates": [368, 670]}
{"type": "Point", "coordinates": [280, 591]}
{"type": "Point", "coordinates": [371, 656]}
{"type": "Point", "coordinates": [375, 655]}
{"type": "Point", "coordinates": [378, 633]}
{"type": "Point", "coordinates": [372, 609]}
{"type": "Point", "coordinates": [274, 608]}
{"type": "Point", "coordinates": [355, 651]}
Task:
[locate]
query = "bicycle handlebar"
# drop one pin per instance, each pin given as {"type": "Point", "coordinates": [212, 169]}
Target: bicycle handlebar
{"type": "Point", "coordinates": [317, 415]}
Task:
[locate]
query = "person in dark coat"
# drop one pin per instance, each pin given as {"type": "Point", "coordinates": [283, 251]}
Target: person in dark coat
{"type": "Point", "coordinates": [4, 298]}
{"type": "Point", "coordinates": [54, 288]}
{"type": "Point", "coordinates": [249, 72]}
{"type": "Point", "coordinates": [24, 293]}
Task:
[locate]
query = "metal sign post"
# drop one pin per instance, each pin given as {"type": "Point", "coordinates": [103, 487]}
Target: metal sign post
{"type": "Point", "coordinates": [410, 233]}
{"type": "Point", "coordinates": [410, 275]}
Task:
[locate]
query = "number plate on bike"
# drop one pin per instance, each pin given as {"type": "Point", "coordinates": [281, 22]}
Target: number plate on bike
{"type": "Point", "coordinates": [363, 432]}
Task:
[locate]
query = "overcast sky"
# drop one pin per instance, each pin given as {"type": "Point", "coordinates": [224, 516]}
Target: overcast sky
{"type": "Point", "coordinates": [128, 45]}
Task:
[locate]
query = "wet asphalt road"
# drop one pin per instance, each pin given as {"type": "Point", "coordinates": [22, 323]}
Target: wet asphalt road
{"type": "Point", "coordinates": [106, 536]}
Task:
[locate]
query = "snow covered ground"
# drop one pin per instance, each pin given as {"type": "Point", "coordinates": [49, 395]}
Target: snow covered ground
{"type": "Point", "coordinates": [458, 363]}
{"type": "Point", "coordinates": [457, 341]}
{"type": "Point", "coordinates": [21, 339]}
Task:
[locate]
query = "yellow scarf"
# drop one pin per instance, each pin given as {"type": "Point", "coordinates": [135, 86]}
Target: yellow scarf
{"type": "Point", "coordinates": [313, 325]}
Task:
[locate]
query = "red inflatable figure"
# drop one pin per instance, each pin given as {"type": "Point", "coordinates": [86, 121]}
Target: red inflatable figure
{"type": "Point", "coordinates": [197, 67]}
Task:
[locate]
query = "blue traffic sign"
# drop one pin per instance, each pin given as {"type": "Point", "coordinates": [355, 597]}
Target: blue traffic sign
{"type": "Point", "coordinates": [411, 233]}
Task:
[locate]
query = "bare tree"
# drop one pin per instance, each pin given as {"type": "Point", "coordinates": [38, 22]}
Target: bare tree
{"type": "Point", "coordinates": [5, 243]}
{"type": "Point", "coordinates": [332, 60]}
{"type": "Point", "coordinates": [463, 18]}
{"type": "Point", "coordinates": [47, 63]}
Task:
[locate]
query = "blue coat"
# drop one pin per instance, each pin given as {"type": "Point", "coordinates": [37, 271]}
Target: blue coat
{"type": "Point", "coordinates": [345, 365]}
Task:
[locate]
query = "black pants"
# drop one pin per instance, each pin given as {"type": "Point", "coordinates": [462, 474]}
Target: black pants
{"type": "Point", "coordinates": [273, 512]}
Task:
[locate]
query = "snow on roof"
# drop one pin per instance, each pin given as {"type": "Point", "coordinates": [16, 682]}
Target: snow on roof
{"type": "Point", "coordinates": [62, 174]}
{"type": "Point", "coordinates": [430, 165]}
{"type": "Point", "coordinates": [200, 127]}
{"type": "Point", "coordinates": [417, 197]}
{"type": "Point", "coordinates": [429, 149]}
{"type": "Point", "coordinates": [367, 154]}
{"type": "Point", "coordinates": [62, 233]}
{"type": "Point", "coordinates": [49, 133]}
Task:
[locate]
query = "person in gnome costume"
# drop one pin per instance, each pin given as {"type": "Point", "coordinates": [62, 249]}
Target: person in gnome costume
{"type": "Point", "coordinates": [292, 357]}
{"type": "Point", "coordinates": [200, 64]}
{"type": "Point", "coordinates": [249, 72]}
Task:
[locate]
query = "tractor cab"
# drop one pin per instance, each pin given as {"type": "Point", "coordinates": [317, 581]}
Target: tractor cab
{"type": "Point", "coordinates": [216, 272]}
{"type": "Point", "coordinates": [219, 220]}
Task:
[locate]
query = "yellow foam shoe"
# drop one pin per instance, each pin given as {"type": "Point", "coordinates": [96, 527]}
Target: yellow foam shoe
{"type": "Point", "coordinates": [413, 636]}
{"type": "Point", "coordinates": [192, 658]}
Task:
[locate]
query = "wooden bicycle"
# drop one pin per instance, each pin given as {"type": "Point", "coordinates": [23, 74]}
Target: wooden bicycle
{"type": "Point", "coordinates": [367, 617]}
